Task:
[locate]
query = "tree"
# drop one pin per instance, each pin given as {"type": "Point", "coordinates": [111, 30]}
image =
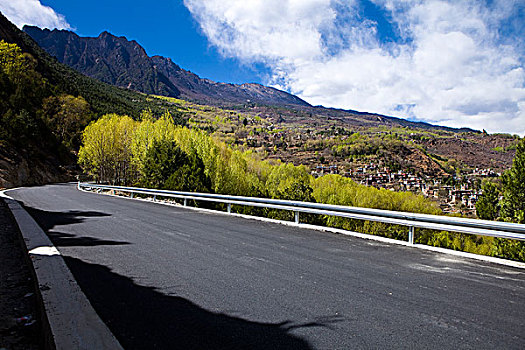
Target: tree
{"type": "Point", "coordinates": [22, 89]}
{"type": "Point", "coordinates": [167, 166]}
{"type": "Point", "coordinates": [66, 116]}
{"type": "Point", "coordinates": [513, 203]}
{"type": "Point", "coordinates": [487, 207]}
{"type": "Point", "coordinates": [27, 85]}
{"type": "Point", "coordinates": [106, 150]}
{"type": "Point", "coordinates": [162, 159]}
{"type": "Point", "coordinates": [289, 182]}
{"type": "Point", "coordinates": [189, 177]}
{"type": "Point", "coordinates": [147, 132]}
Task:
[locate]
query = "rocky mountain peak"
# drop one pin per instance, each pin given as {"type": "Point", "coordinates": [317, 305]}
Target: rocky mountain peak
{"type": "Point", "coordinates": [119, 61]}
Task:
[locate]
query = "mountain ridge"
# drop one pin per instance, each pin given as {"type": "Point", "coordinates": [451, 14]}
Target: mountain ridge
{"type": "Point", "coordinates": [118, 61]}
{"type": "Point", "coordinates": [125, 63]}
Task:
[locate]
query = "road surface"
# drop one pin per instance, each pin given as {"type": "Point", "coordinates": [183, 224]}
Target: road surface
{"type": "Point", "coordinates": [168, 277]}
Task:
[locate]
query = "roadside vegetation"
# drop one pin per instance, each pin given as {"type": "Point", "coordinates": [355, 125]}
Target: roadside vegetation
{"type": "Point", "coordinates": [505, 201]}
{"type": "Point", "coordinates": [158, 153]}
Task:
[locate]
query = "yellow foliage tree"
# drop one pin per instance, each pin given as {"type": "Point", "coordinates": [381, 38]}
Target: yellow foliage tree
{"type": "Point", "coordinates": [106, 152]}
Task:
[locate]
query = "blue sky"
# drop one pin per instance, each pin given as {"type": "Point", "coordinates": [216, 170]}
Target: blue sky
{"type": "Point", "coordinates": [454, 63]}
{"type": "Point", "coordinates": [163, 28]}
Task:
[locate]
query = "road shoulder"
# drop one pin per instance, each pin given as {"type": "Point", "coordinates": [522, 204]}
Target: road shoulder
{"type": "Point", "coordinates": [73, 323]}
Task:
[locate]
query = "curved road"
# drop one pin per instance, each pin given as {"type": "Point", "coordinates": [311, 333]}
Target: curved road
{"type": "Point", "coordinates": [168, 277]}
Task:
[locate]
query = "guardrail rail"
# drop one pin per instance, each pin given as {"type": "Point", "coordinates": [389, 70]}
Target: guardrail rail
{"type": "Point", "coordinates": [411, 220]}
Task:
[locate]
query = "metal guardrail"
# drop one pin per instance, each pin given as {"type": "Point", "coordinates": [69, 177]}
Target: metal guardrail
{"type": "Point", "coordinates": [411, 220]}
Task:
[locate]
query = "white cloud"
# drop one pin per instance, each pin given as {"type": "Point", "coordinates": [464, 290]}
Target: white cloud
{"type": "Point", "coordinates": [32, 12]}
{"type": "Point", "coordinates": [263, 29]}
{"type": "Point", "coordinates": [454, 65]}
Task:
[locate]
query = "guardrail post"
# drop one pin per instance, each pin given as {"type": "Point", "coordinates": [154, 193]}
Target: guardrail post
{"type": "Point", "coordinates": [296, 214]}
{"type": "Point", "coordinates": [229, 208]}
{"type": "Point", "coordinates": [185, 202]}
{"type": "Point", "coordinates": [154, 197]}
{"type": "Point", "coordinates": [132, 195]}
{"type": "Point", "coordinates": [411, 230]}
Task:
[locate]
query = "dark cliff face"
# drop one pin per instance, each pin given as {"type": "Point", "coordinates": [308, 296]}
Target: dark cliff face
{"type": "Point", "coordinates": [113, 60]}
{"type": "Point", "coordinates": [118, 61]}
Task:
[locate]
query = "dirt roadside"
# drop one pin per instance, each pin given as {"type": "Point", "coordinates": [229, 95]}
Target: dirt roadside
{"type": "Point", "coordinates": [20, 326]}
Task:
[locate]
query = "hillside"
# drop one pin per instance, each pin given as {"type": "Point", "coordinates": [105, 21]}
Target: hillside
{"type": "Point", "coordinates": [36, 137]}
{"type": "Point", "coordinates": [103, 98]}
{"type": "Point", "coordinates": [118, 61]}
{"type": "Point", "coordinates": [323, 137]}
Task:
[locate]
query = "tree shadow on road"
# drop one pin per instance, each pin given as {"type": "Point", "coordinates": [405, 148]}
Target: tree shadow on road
{"type": "Point", "coordinates": [61, 239]}
{"type": "Point", "coordinates": [143, 318]}
{"type": "Point", "coordinates": [48, 220]}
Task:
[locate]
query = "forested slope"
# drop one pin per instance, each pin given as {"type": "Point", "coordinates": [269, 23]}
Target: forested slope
{"type": "Point", "coordinates": [43, 107]}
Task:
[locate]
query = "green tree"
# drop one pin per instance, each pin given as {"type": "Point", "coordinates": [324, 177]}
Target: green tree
{"type": "Point", "coordinates": [167, 166]}
{"type": "Point", "coordinates": [66, 116]}
{"type": "Point", "coordinates": [487, 207]}
{"type": "Point", "coordinates": [147, 132]}
{"type": "Point", "coordinates": [513, 203]}
{"type": "Point", "coordinates": [22, 89]}
{"type": "Point", "coordinates": [189, 177]}
{"type": "Point", "coordinates": [162, 159]}
{"type": "Point", "coordinates": [25, 86]}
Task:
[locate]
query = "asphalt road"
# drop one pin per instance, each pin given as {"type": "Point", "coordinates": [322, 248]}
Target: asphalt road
{"type": "Point", "coordinates": [172, 278]}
